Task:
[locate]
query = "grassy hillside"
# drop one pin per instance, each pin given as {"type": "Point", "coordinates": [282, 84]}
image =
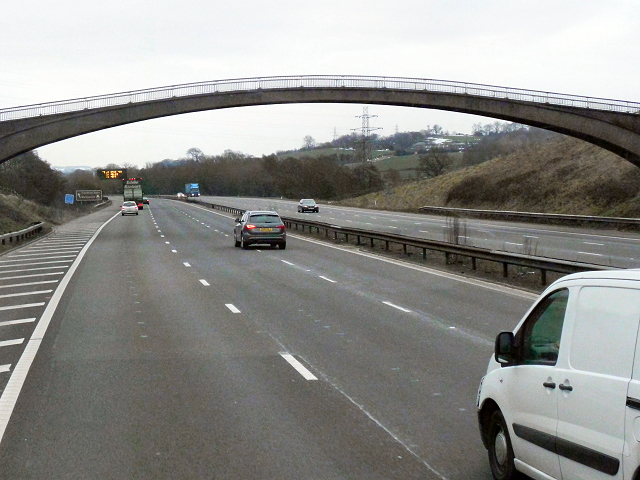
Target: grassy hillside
{"type": "Point", "coordinates": [18, 213]}
{"type": "Point", "coordinates": [562, 175]}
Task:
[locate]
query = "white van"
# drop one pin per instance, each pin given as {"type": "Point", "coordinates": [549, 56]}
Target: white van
{"type": "Point", "coordinates": [561, 397]}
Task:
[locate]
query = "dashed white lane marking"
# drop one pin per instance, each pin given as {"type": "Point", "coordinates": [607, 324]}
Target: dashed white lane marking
{"type": "Point", "coordinates": [26, 305]}
{"type": "Point", "coordinates": [168, 243]}
{"type": "Point", "coordinates": [186, 264]}
{"type": "Point", "coordinates": [288, 263]}
{"type": "Point", "coordinates": [593, 243]}
{"type": "Point", "coordinates": [398, 307]}
{"type": "Point", "coordinates": [327, 279]}
{"type": "Point", "coordinates": [232, 307]}
{"type": "Point", "coordinates": [174, 251]}
{"type": "Point", "coordinates": [16, 322]}
{"type": "Point", "coordinates": [5, 368]}
{"type": "Point", "coordinates": [8, 343]}
{"type": "Point", "coordinates": [588, 253]}
{"type": "Point", "coordinates": [204, 282]}
{"type": "Point", "coordinates": [301, 369]}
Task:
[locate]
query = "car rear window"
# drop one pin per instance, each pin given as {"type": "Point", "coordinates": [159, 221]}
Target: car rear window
{"type": "Point", "coordinates": [129, 204]}
{"type": "Point", "coordinates": [265, 219]}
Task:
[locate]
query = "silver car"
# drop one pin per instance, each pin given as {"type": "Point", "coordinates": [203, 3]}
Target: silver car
{"type": "Point", "coordinates": [129, 208]}
{"type": "Point", "coordinates": [260, 227]}
{"type": "Point", "coordinates": [308, 205]}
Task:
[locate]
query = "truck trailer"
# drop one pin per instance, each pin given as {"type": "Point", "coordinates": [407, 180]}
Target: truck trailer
{"type": "Point", "coordinates": [133, 192]}
{"type": "Point", "coordinates": [192, 189]}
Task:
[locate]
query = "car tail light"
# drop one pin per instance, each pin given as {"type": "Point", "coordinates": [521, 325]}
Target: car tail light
{"type": "Point", "coordinates": [281, 227]}
{"type": "Point", "coordinates": [249, 226]}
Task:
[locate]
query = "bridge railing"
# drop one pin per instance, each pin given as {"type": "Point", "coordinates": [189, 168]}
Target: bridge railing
{"type": "Point", "coordinates": [318, 81]}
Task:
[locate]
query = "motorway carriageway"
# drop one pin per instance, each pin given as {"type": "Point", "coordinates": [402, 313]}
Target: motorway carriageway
{"type": "Point", "coordinates": [589, 245]}
{"type": "Point", "coordinates": [157, 349]}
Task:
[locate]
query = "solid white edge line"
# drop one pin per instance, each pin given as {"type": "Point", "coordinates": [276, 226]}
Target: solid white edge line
{"type": "Point", "coordinates": [302, 370]}
{"type": "Point", "coordinates": [232, 307]}
{"type": "Point", "coordinates": [16, 381]}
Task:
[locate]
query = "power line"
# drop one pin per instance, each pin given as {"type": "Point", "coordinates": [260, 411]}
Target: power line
{"type": "Point", "coordinates": [365, 131]}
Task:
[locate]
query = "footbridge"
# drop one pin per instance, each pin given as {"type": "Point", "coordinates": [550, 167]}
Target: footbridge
{"type": "Point", "coordinates": [610, 124]}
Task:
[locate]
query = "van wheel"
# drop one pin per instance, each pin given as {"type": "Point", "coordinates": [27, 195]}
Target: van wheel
{"type": "Point", "coordinates": [500, 449]}
{"type": "Point", "coordinates": [283, 245]}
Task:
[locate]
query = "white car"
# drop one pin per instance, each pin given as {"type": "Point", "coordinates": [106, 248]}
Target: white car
{"type": "Point", "coordinates": [129, 208]}
{"type": "Point", "coordinates": [561, 397]}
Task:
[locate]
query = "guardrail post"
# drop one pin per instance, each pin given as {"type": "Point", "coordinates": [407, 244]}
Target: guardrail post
{"type": "Point", "coordinates": [371, 242]}
{"type": "Point", "coordinates": [386, 245]}
{"type": "Point", "coordinates": [404, 248]}
{"type": "Point", "coordinates": [505, 270]}
{"type": "Point", "coordinates": [424, 253]}
{"type": "Point", "coordinates": [543, 276]}
{"type": "Point", "coordinates": [357, 239]}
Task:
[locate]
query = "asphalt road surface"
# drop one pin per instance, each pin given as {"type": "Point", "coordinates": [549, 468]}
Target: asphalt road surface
{"type": "Point", "coordinates": [610, 248]}
{"type": "Point", "coordinates": [149, 347]}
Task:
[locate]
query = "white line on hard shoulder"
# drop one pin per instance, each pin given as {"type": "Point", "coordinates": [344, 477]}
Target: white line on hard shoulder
{"type": "Point", "coordinates": [28, 284]}
{"type": "Point", "coordinates": [301, 369]}
{"type": "Point", "coordinates": [16, 381]}
{"type": "Point", "coordinates": [5, 368]}
{"type": "Point", "coordinates": [232, 307]}
{"type": "Point", "coordinates": [23, 294]}
{"type": "Point", "coordinates": [26, 305]}
{"type": "Point", "coordinates": [16, 322]}
{"type": "Point", "coordinates": [7, 343]}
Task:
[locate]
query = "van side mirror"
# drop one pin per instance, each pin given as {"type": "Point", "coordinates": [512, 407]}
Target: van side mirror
{"type": "Point", "coordinates": [505, 348]}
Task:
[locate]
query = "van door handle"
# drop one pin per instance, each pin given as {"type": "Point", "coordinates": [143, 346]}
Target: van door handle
{"type": "Point", "coordinates": [549, 384]}
{"type": "Point", "coordinates": [566, 388]}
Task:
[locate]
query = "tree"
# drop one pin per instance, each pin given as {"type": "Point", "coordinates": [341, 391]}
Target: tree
{"type": "Point", "coordinates": [195, 154]}
{"type": "Point", "coordinates": [435, 163]}
{"type": "Point", "coordinates": [308, 142]}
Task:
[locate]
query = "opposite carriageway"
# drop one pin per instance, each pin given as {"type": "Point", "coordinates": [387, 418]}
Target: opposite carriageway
{"type": "Point", "coordinates": [611, 124]}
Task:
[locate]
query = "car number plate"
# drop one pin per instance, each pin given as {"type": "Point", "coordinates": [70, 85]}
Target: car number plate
{"type": "Point", "coordinates": [267, 229]}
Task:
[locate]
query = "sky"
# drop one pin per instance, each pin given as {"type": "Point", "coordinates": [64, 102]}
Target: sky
{"type": "Point", "coordinates": [65, 49]}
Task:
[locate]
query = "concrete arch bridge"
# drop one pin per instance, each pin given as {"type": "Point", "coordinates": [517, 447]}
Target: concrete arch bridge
{"type": "Point", "coordinates": [610, 124]}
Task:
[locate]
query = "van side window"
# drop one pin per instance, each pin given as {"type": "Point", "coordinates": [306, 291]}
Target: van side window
{"type": "Point", "coordinates": [543, 329]}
